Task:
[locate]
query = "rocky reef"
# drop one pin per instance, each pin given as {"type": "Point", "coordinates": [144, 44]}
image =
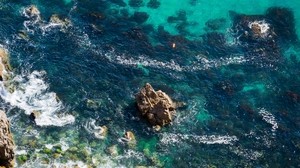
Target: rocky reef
{"type": "Point", "coordinates": [156, 106]}
{"type": "Point", "coordinates": [6, 142]}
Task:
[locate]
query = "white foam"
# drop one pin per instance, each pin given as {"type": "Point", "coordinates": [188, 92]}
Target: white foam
{"type": "Point", "coordinates": [268, 118]}
{"type": "Point", "coordinates": [201, 63]}
{"type": "Point", "coordinates": [247, 153]}
{"type": "Point", "coordinates": [170, 138]}
{"type": "Point", "coordinates": [36, 22]}
{"type": "Point", "coordinates": [92, 128]}
{"type": "Point", "coordinates": [32, 94]}
{"type": "Point", "coordinates": [263, 25]}
{"type": "Point", "coordinates": [70, 164]}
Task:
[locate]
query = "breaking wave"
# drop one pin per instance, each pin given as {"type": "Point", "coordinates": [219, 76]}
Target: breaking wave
{"type": "Point", "coordinates": [31, 94]}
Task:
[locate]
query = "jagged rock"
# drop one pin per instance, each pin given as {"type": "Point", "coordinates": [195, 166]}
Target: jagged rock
{"type": "Point", "coordinates": [4, 64]}
{"type": "Point", "coordinates": [6, 142]}
{"type": "Point", "coordinates": [34, 114]}
{"type": "Point", "coordinates": [101, 132]}
{"type": "Point", "coordinates": [156, 106]}
{"type": "Point", "coordinates": [130, 139]}
{"type": "Point", "coordinates": [63, 22]}
{"type": "Point", "coordinates": [32, 12]}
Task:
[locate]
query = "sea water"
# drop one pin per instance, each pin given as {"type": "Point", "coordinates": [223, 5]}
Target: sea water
{"type": "Point", "coordinates": [242, 98]}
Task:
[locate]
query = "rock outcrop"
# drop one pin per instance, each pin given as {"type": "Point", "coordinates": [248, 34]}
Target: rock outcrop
{"type": "Point", "coordinates": [4, 64]}
{"type": "Point", "coordinates": [156, 106]}
{"type": "Point", "coordinates": [6, 142]}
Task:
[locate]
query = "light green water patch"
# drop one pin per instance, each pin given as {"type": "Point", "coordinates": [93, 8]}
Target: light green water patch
{"type": "Point", "coordinates": [260, 87]}
{"type": "Point", "coordinates": [200, 11]}
{"type": "Point", "coordinates": [292, 51]}
{"type": "Point", "coordinates": [67, 1]}
{"type": "Point", "coordinates": [183, 88]}
{"type": "Point", "coordinates": [201, 114]}
{"type": "Point", "coordinates": [143, 69]}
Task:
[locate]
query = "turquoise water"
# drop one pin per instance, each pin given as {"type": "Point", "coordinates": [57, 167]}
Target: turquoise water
{"type": "Point", "coordinates": [242, 92]}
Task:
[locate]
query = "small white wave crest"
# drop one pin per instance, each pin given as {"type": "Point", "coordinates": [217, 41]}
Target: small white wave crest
{"type": "Point", "coordinates": [31, 94]}
{"type": "Point", "coordinates": [201, 63]}
{"type": "Point", "coordinates": [98, 131]}
{"type": "Point", "coordinates": [268, 118]}
{"type": "Point", "coordinates": [171, 138]}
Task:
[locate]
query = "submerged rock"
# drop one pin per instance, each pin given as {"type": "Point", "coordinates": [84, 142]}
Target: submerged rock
{"type": "Point", "coordinates": [153, 4]}
{"type": "Point", "coordinates": [156, 106]}
{"type": "Point", "coordinates": [136, 3]}
{"type": "Point", "coordinates": [113, 150]}
{"type": "Point", "coordinates": [6, 142]}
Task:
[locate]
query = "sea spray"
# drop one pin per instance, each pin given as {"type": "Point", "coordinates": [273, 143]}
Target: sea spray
{"type": "Point", "coordinates": [31, 94]}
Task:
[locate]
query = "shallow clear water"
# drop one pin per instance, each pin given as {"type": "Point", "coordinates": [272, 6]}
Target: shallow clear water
{"type": "Point", "coordinates": [242, 95]}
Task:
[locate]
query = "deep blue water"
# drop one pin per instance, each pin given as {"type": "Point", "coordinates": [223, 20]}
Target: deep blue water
{"type": "Point", "coordinates": [242, 94]}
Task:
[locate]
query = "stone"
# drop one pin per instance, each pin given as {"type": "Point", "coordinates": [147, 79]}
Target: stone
{"type": "Point", "coordinates": [112, 150]}
{"type": "Point", "coordinates": [156, 106]}
{"type": "Point", "coordinates": [34, 114]}
{"type": "Point", "coordinates": [6, 142]}
{"type": "Point", "coordinates": [130, 139]}
{"type": "Point", "coordinates": [101, 132]}
{"type": "Point", "coordinates": [4, 64]}
{"type": "Point", "coordinates": [33, 12]}
{"type": "Point", "coordinates": [57, 20]}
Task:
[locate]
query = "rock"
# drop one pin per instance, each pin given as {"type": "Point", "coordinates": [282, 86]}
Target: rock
{"type": "Point", "coordinates": [33, 12]}
{"type": "Point", "coordinates": [112, 150]}
{"type": "Point", "coordinates": [130, 139]}
{"type": "Point", "coordinates": [4, 64]}
{"type": "Point", "coordinates": [34, 114]}
{"type": "Point", "coordinates": [156, 106]}
{"type": "Point", "coordinates": [63, 22]}
{"type": "Point", "coordinates": [6, 142]}
{"type": "Point", "coordinates": [101, 133]}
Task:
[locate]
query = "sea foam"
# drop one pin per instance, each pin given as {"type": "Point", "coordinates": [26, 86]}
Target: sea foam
{"type": "Point", "coordinates": [171, 138]}
{"type": "Point", "coordinates": [31, 94]}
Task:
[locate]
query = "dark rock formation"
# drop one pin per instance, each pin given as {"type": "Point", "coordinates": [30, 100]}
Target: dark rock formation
{"type": "Point", "coordinates": [135, 3]}
{"type": "Point", "coordinates": [34, 114]}
{"type": "Point", "coordinates": [140, 17]}
{"type": "Point", "coordinates": [153, 4]}
{"type": "Point", "coordinates": [156, 106]}
{"type": "Point", "coordinates": [6, 142]}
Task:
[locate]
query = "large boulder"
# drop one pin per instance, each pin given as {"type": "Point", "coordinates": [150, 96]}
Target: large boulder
{"type": "Point", "coordinates": [6, 143]}
{"type": "Point", "coordinates": [156, 106]}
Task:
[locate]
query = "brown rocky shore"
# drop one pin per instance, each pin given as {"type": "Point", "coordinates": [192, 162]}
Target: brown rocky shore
{"type": "Point", "coordinates": [6, 142]}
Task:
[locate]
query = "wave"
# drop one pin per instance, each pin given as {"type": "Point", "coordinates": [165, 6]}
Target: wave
{"type": "Point", "coordinates": [171, 138]}
{"type": "Point", "coordinates": [201, 62]}
{"type": "Point", "coordinates": [98, 131]}
{"type": "Point", "coordinates": [268, 118]}
{"type": "Point", "coordinates": [31, 94]}
{"type": "Point", "coordinates": [34, 21]}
